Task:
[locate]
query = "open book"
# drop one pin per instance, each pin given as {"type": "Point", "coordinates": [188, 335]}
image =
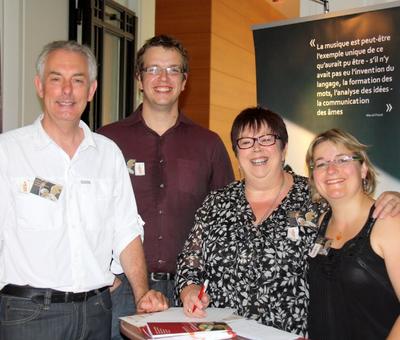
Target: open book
{"type": "Point", "coordinates": [190, 330]}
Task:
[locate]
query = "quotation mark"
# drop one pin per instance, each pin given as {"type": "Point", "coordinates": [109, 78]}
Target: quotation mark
{"type": "Point", "coordinates": [312, 42]}
{"type": "Point", "coordinates": [389, 107]}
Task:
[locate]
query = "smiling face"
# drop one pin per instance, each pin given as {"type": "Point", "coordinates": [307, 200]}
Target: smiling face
{"type": "Point", "coordinates": [65, 88]}
{"type": "Point", "coordinates": [337, 181]}
{"type": "Point", "coordinates": [162, 91]}
{"type": "Point", "coordinates": [260, 162]}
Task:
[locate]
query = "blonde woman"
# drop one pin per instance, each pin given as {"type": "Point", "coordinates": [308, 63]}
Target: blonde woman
{"type": "Point", "coordinates": [354, 273]}
{"type": "Point", "coordinates": [251, 239]}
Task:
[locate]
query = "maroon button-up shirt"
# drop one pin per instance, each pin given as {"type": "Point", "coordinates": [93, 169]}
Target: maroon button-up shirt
{"type": "Point", "coordinates": [171, 175]}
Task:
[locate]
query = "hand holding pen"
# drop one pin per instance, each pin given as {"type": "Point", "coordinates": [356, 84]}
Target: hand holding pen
{"type": "Point", "coordinates": [195, 300]}
{"type": "Point", "coordinates": [203, 289]}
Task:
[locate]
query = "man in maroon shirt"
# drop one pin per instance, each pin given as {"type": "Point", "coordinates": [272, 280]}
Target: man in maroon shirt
{"type": "Point", "coordinates": [174, 163]}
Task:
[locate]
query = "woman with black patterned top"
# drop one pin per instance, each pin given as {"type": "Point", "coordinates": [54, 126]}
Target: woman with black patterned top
{"type": "Point", "coordinates": [355, 279]}
{"type": "Point", "coordinates": [251, 239]}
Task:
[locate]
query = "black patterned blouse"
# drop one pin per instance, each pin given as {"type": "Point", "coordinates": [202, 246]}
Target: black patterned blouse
{"type": "Point", "coordinates": [260, 270]}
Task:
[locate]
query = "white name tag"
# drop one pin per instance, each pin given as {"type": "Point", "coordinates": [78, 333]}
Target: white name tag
{"type": "Point", "coordinates": [293, 233]}
{"type": "Point", "coordinates": [139, 169]}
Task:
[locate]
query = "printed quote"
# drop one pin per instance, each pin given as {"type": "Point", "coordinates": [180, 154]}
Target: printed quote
{"type": "Point", "coordinates": [352, 72]}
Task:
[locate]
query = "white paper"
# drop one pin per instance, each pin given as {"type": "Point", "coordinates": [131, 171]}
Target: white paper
{"type": "Point", "coordinates": [175, 314]}
{"type": "Point", "coordinates": [253, 330]}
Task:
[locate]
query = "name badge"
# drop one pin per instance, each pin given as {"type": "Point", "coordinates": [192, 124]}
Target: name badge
{"type": "Point", "coordinates": [321, 247]}
{"type": "Point", "coordinates": [130, 165]}
{"type": "Point", "coordinates": [25, 186]}
{"type": "Point", "coordinates": [46, 189]}
{"type": "Point", "coordinates": [293, 233]}
{"type": "Point", "coordinates": [139, 169]}
{"type": "Point", "coordinates": [135, 168]}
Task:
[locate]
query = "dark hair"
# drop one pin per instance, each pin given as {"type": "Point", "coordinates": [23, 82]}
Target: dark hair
{"type": "Point", "coordinates": [254, 118]}
{"type": "Point", "coordinates": [166, 42]}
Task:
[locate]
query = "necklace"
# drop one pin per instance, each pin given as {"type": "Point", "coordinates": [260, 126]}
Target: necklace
{"type": "Point", "coordinates": [272, 206]}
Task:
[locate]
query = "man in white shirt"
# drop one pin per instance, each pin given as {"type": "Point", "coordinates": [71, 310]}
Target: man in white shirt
{"type": "Point", "coordinates": [67, 213]}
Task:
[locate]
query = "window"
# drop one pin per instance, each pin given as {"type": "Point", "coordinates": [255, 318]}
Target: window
{"type": "Point", "coordinates": [110, 30]}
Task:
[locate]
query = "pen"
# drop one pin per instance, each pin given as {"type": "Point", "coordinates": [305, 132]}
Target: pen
{"type": "Point", "coordinates": [203, 289]}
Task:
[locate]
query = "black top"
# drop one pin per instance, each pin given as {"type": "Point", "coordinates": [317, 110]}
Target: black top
{"type": "Point", "coordinates": [350, 291]}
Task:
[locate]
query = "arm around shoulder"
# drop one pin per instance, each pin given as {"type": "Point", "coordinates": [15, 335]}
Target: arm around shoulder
{"type": "Point", "coordinates": [387, 204]}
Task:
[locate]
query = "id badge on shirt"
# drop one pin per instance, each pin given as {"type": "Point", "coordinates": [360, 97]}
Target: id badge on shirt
{"type": "Point", "coordinates": [321, 246]}
{"type": "Point", "coordinates": [293, 233]}
{"type": "Point", "coordinates": [135, 168]}
{"type": "Point", "coordinates": [46, 189]}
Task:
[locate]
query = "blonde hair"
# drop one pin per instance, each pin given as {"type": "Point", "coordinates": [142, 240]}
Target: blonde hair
{"type": "Point", "coordinates": [351, 143]}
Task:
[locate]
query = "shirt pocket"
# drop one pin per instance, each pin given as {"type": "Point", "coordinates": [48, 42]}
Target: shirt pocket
{"type": "Point", "coordinates": [34, 212]}
{"type": "Point", "coordinates": [95, 199]}
{"type": "Point", "coordinates": [191, 178]}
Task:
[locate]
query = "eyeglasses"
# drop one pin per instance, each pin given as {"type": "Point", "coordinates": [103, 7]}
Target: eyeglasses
{"type": "Point", "coordinates": [264, 140]}
{"type": "Point", "coordinates": [156, 70]}
{"type": "Point", "coordinates": [339, 161]}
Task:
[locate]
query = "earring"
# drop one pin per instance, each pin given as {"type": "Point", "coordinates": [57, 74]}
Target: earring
{"type": "Point", "coordinates": [365, 184]}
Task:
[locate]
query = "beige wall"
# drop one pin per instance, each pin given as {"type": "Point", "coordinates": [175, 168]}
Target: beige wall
{"type": "Point", "coordinates": [25, 30]}
{"type": "Point", "coordinates": [190, 22]}
{"type": "Point", "coordinates": [233, 75]}
{"type": "Point", "coordinates": [26, 27]}
{"type": "Point", "coordinates": [219, 38]}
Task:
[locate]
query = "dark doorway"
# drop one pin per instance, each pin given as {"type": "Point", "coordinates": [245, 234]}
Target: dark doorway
{"type": "Point", "coordinates": [110, 30]}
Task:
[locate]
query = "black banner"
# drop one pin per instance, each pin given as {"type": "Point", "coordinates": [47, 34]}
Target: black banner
{"type": "Point", "coordinates": [337, 71]}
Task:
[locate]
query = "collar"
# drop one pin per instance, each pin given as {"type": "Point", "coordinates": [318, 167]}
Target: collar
{"type": "Point", "coordinates": [137, 118]}
{"type": "Point", "coordinates": [43, 139]}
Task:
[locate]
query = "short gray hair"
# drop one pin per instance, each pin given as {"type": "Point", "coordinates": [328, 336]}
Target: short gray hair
{"type": "Point", "coordinates": [67, 45]}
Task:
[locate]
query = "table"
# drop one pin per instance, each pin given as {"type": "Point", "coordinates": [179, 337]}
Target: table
{"type": "Point", "coordinates": [247, 329]}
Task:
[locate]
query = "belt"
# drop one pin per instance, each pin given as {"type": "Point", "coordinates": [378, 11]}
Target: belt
{"type": "Point", "coordinates": [161, 276]}
{"type": "Point", "coordinates": [55, 296]}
